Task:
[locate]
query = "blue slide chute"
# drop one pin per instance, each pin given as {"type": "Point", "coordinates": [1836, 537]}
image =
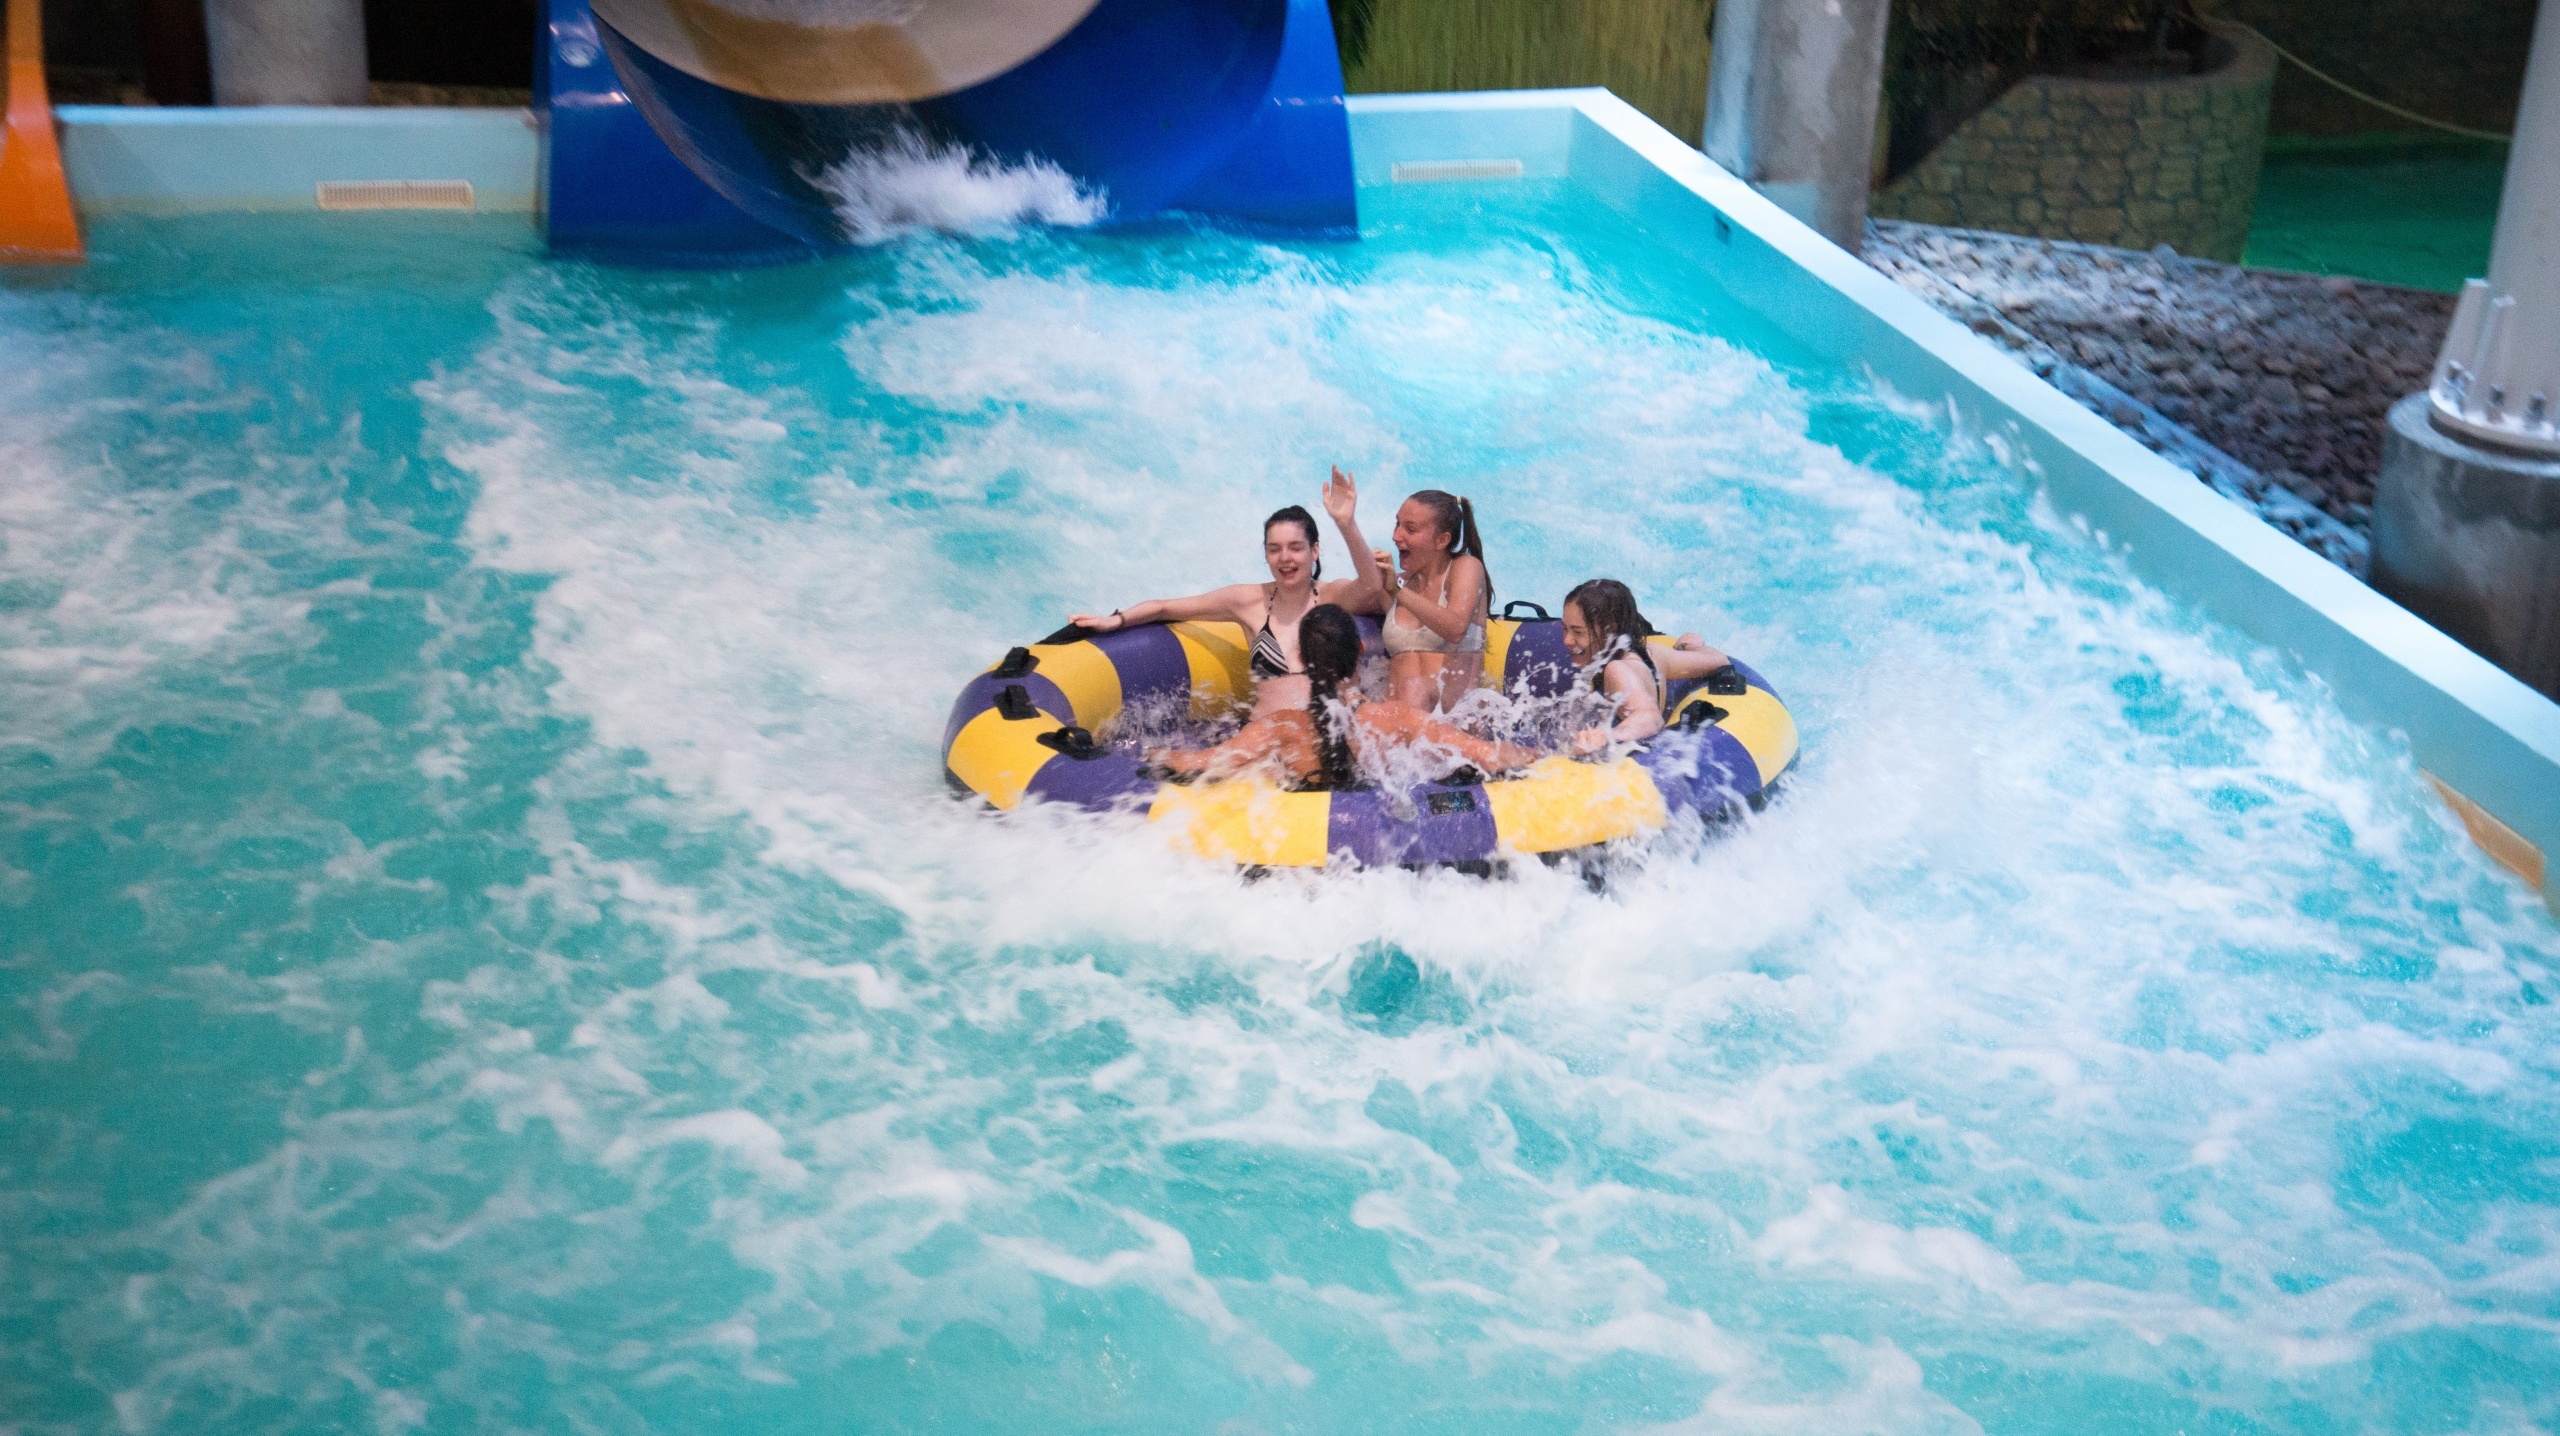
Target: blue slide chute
{"type": "Point", "coordinates": [706, 131]}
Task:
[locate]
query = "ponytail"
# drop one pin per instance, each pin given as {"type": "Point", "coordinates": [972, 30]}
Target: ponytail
{"type": "Point", "coordinates": [1457, 520]}
{"type": "Point", "coordinates": [1329, 649]}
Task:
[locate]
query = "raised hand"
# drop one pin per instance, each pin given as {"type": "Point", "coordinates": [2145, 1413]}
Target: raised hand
{"type": "Point", "coordinates": [1341, 497]}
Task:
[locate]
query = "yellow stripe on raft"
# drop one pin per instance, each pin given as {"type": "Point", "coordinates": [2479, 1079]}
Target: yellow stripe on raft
{"type": "Point", "coordinates": [1085, 676]}
{"type": "Point", "coordinates": [1498, 633]}
{"type": "Point", "coordinates": [1759, 722]}
{"type": "Point", "coordinates": [996, 756]}
{"type": "Point", "coordinates": [1221, 672]}
{"type": "Point", "coordinates": [1561, 804]}
{"type": "Point", "coordinates": [1247, 820]}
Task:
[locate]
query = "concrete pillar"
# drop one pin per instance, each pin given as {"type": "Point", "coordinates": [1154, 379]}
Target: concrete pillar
{"type": "Point", "coordinates": [2469, 540]}
{"type": "Point", "coordinates": [286, 52]}
{"type": "Point", "coordinates": [1791, 105]}
{"type": "Point", "coordinates": [2466, 510]}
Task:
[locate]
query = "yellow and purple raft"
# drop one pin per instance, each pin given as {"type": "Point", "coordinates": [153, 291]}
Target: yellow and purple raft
{"type": "Point", "coordinates": [1025, 729]}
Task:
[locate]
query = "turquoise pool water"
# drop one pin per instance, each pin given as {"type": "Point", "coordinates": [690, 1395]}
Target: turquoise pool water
{"type": "Point", "coordinates": [487, 945]}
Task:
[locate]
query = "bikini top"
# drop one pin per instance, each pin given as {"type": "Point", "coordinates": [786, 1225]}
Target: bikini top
{"type": "Point", "coordinates": [1417, 638]}
{"type": "Point", "coordinates": [1268, 661]}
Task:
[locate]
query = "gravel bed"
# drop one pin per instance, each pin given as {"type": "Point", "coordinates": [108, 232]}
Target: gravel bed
{"type": "Point", "coordinates": [2271, 386]}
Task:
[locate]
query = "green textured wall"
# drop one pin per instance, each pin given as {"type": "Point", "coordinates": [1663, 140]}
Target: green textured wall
{"type": "Point", "coordinates": [1651, 53]}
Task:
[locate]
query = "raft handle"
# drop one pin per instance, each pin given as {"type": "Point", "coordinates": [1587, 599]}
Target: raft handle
{"type": "Point", "coordinates": [1072, 741]}
{"type": "Point", "coordinates": [1014, 703]}
{"type": "Point", "coordinates": [1537, 611]}
{"type": "Point", "coordinates": [1017, 662]}
{"type": "Point", "coordinates": [1072, 633]}
{"type": "Point", "coordinates": [1695, 716]}
{"type": "Point", "coordinates": [1728, 682]}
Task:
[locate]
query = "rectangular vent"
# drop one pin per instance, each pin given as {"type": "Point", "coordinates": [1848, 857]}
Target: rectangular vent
{"type": "Point", "coordinates": [1431, 171]}
{"type": "Point", "coordinates": [396, 194]}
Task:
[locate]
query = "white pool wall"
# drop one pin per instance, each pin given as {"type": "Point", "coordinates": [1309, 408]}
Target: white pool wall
{"type": "Point", "coordinates": [2487, 735]}
{"type": "Point", "coordinates": [144, 160]}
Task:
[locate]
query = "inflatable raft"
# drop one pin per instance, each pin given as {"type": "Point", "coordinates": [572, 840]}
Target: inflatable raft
{"type": "Point", "coordinates": [1026, 728]}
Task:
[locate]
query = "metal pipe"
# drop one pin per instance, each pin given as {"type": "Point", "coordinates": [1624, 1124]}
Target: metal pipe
{"type": "Point", "coordinates": [2497, 380]}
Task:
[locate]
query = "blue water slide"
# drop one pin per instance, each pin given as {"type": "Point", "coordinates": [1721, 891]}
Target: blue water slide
{"type": "Point", "coordinates": [698, 132]}
{"type": "Point", "coordinates": [611, 189]}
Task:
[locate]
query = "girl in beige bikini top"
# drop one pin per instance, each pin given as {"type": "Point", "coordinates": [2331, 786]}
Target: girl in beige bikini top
{"type": "Point", "coordinates": [1414, 638]}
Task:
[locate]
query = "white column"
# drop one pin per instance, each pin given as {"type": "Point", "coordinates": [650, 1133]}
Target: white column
{"type": "Point", "coordinates": [2498, 379]}
{"type": "Point", "coordinates": [1791, 105]}
{"type": "Point", "coordinates": [286, 52]}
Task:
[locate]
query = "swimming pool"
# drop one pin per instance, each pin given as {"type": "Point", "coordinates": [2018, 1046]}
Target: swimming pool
{"type": "Point", "coordinates": [488, 943]}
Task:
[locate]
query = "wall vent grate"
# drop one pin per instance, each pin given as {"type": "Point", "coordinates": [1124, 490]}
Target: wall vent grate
{"type": "Point", "coordinates": [396, 194]}
{"type": "Point", "coordinates": [1431, 171]}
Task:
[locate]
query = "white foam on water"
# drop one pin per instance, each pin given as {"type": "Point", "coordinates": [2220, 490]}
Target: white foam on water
{"type": "Point", "coordinates": [1980, 871]}
{"type": "Point", "coordinates": [2042, 1024]}
{"type": "Point", "coordinates": [907, 183]}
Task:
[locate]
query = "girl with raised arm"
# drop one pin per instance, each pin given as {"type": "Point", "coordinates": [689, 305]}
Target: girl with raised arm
{"type": "Point", "coordinates": [1271, 612]}
{"type": "Point", "coordinates": [1437, 605]}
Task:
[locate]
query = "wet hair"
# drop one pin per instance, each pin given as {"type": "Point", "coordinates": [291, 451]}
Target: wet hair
{"type": "Point", "coordinates": [1329, 649]}
{"type": "Point", "coordinates": [1456, 519]}
{"type": "Point", "coordinates": [1306, 522]}
{"type": "Point", "coordinates": [1609, 608]}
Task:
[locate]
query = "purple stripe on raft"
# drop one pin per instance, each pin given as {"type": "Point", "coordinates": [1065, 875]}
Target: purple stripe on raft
{"type": "Point", "coordinates": [1538, 658]}
{"type": "Point", "coordinates": [1466, 836]}
{"type": "Point", "coordinates": [981, 693]}
{"type": "Point", "coordinates": [1377, 830]}
{"type": "Point", "coordinates": [1098, 783]}
{"type": "Point", "coordinates": [1150, 662]}
{"type": "Point", "coordinates": [1703, 772]}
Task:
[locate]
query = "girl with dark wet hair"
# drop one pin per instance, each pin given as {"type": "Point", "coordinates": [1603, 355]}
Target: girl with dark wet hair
{"type": "Point", "coordinates": [1606, 633]}
{"type": "Point", "coordinates": [1317, 745]}
{"type": "Point", "coordinates": [1271, 612]}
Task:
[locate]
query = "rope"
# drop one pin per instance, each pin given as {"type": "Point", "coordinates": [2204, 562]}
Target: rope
{"type": "Point", "coordinates": [2324, 77]}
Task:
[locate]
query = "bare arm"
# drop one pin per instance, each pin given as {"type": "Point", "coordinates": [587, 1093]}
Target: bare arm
{"type": "Point", "coordinates": [1228, 603]}
{"type": "Point", "coordinates": [1285, 737]}
{"type": "Point", "coordinates": [1365, 591]}
{"type": "Point", "coordinates": [1402, 722]}
{"type": "Point", "coordinates": [1691, 658]}
{"type": "Point", "coordinates": [1450, 620]}
{"type": "Point", "coordinates": [1630, 683]}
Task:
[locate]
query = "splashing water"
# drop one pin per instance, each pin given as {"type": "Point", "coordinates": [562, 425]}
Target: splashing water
{"type": "Point", "coordinates": [487, 943]}
{"type": "Point", "coordinates": [906, 183]}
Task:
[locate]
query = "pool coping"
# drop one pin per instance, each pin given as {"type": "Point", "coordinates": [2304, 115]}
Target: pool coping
{"type": "Point", "coordinates": [2491, 739]}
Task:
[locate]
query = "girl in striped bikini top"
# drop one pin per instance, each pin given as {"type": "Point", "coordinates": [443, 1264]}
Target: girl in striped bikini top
{"type": "Point", "coordinates": [1271, 611]}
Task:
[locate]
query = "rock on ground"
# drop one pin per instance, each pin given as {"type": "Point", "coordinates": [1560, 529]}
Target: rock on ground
{"type": "Point", "coordinates": [2290, 374]}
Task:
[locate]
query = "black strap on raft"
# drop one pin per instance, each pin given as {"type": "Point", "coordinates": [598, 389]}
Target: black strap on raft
{"type": "Point", "coordinates": [1695, 716]}
{"type": "Point", "coordinates": [1728, 682]}
{"type": "Point", "coordinates": [1072, 741]}
{"type": "Point", "coordinates": [1072, 633]}
{"type": "Point", "coordinates": [1013, 701]}
{"type": "Point", "coordinates": [1017, 662]}
{"type": "Point", "coordinates": [1537, 612]}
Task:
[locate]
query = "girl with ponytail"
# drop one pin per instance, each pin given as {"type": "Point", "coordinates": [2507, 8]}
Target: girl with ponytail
{"type": "Point", "coordinates": [1438, 597]}
{"type": "Point", "coordinates": [1317, 746]}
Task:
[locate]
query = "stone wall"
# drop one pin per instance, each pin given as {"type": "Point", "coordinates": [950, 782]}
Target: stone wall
{"type": "Point", "coordinates": [2133, 164]}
